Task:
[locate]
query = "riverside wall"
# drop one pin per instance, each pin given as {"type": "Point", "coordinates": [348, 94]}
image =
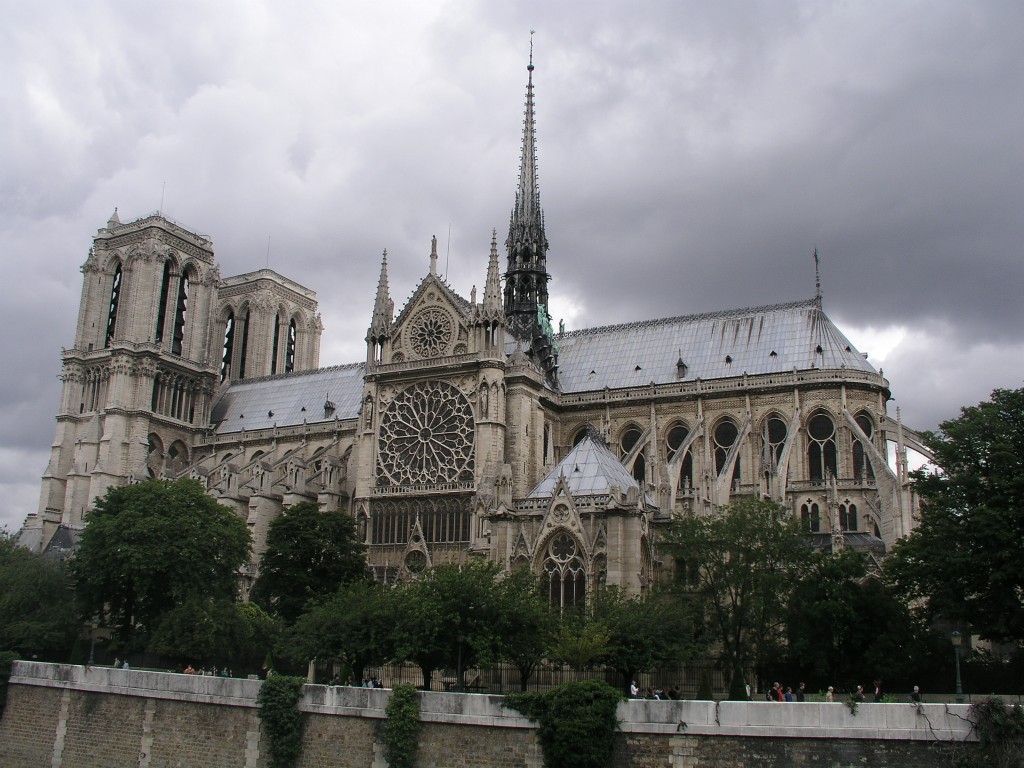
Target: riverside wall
{"type": "Point", "coordinates": [61, 716]}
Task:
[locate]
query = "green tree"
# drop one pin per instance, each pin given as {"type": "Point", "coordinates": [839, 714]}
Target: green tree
{"type": "Point", "coordinates": [843, 622]}
{"type": "Point", "coordinates": [580, 640]}
{"type": "Point", "coordinates": [354, 625]}
{"type": "Point", "coordinates": [643, 631]}
{"type": "Point", "coordinates": [309, 554]}
{"type": "Point", "coordinates": [201, 630]}
{"type": "Point", "coordinates": [527, 624]}
{"type": "Point", "coordinates": [450, 617]}
{"type": "Point", "coordinates": [37, 612]}
{"type": "Point", "coordinates": [737, 569]}
{"type": "Point", "coordinates": [150, 547]}
{"type": "Point", "coordinates": [963, 560]}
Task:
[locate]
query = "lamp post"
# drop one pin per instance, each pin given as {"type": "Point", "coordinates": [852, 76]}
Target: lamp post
{"type": "Point", "coordinates": [957, 639]}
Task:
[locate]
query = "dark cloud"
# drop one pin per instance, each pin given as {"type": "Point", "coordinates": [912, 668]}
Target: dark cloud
{"type": "Point", "coordinates": [692, 156]}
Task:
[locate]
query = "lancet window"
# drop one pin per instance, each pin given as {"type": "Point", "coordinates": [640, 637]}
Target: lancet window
{"type": "Point", "coordinates": [165, 290]}
{"type": "Point", "coordinates": [862, 470]}
{"type": "Point", "coordinates": [627, 442]}
{"type": "Point", "coordinates": [725, 436]}
{"type": "Point", "coordinates": [564, 573]}
{"type": "Point", "coordinates": [821, 448]}
{"type": "Point", "coordinates": [810, 515]}
{"type": "Point", "coordinates": [180, 315]}
{"type": "Point", "coordinates": [674, 439]}
{"type": "Point", "coordinates": [115, 299]}
{"type": "Point", "coordinates": [773, 440]}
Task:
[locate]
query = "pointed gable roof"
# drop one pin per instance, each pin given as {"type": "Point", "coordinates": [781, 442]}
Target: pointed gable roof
{"type": "Point", "coordinates": [590, 469]}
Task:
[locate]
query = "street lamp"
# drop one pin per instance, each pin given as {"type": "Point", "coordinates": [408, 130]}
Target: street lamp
{"type": "Point", "coordinates": [957, 639]}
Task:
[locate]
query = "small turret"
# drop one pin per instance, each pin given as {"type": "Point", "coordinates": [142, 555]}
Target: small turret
{"type": "Point", "coordinates": [380, 325]}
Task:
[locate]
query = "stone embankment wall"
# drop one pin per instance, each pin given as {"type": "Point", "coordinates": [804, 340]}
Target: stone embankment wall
{"type": "Point", "coordinates": [98, 717]}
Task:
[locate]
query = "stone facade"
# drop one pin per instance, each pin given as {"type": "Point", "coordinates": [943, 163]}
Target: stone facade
{"type": "Point", "coordinates": [457, 436]}
{"type": "Point", "coordinates": [69, 716]}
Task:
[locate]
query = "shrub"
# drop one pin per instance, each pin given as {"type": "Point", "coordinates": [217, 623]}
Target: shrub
{"type": "Point", "coordinates": [402, 727]}
{"type": "Point", "coordinates": [282, 720]}
{"type": "Point", "coordinates": [577, 722]}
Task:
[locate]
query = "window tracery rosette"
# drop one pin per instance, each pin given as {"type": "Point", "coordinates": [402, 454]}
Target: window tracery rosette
{"type": "Point", "coordinates": [427, 437]}
{"type": "Point", "coordinates": [430, 332]}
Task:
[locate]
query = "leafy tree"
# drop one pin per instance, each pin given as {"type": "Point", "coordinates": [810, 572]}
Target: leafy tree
{"type": "Point", "coordinates": [450, 617]}
{"type": "Point", "coordinates": [737, 569]}
{"type": "Point", "coordinates": [581, 640]}
{"type": "Point", "coordinates": [354, 625]}
{"type": "Point", "coordinates": [643, 632]}
{"type": "Point", "coordinates": [963, 561]}
{"type": "Point", "coordinates": [150, 547]}
{"type": "Point", "coordinates": [37, 614]}
{"type": "Point", "coordinates": [527, 624]}
{"type": "Point", "coordinates": [842, 622]}
{"type": "Point", "coordinates": [202, 630]}
{"type": "Point", "coordinates": [309, 554]}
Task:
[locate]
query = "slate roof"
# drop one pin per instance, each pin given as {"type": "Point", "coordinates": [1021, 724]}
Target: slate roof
{"type": "Point", "coordinates": [290, 398]}
{"type": "Point", "coordinates": [590, 469]}
{"type": "Point", "coordinates": [772, 339]}
{"type": "Point", "coordinates": [712, 346]}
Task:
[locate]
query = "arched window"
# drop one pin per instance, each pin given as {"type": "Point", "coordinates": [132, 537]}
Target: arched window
{"type": "Point", "coordinates": [229, 346]}
{"type": "Point", "coordinates": [725, 436]}
{"type": "Point", "coordinates": [773, 440]}
{"type": "Point", "coordinates": [630, 436]}
{"type": "Point", "coordinates": [115, 298]}
{"type": "Point", "coordinates": [273, 348]}
{"type": "Point", "coordinates": [848, 517]}
{"type": "Point", "coordinates": [564, 573]}
{"type": "Point", "coordinates": [289, 354]}
{"type": "Point", "coordinates": [165, 289]}
{"type": "Point", "coordinates": [245, 345]}
{"type": "Point", "coordinates": [180, 313]}
{"type": "Point", "coordinates": [674, 439]}
{"type": "Point", "coordinates": [821, 448]}
{"type": "Point", "coordinates": [810, 515]}
{"type": "Point", "coordinates": [578, 437]}
{"type": "Point", "coordinates": [862, 470]}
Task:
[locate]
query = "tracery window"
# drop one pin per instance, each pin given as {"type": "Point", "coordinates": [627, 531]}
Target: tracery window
{"type": "Point", "coordinates": [443, 519]}
{"type": "Point", "coordinates": [289, 351]}
{"type": "Point", "coordinates": [427, 437]}
{"type": "Point", "coordinates": [773, 439]}
{"type": "Point", "coordinates": [277, 341]}
{"type": "Point", "coordinates": [627, 442]}
{"type": "Point", "coordinates": [821, 448]}
{"type": "Point", "coordinates": [862, 470]}
{"type": "Point", "coordinates": [725, 436]}
{"type": "Point", "coordinates": [115, 298]}
{"type": "Point", "coordinates": [810, 514]}
{"type": "Point", "coordinates": [676, 436]}
{"type": "Point", "coordinates": [564, 573]}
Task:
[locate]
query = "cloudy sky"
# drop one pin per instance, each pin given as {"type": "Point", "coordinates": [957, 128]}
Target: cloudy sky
{"type": "Point", "coordinates": [692, 155]}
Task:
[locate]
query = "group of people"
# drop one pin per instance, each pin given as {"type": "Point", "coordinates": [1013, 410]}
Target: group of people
{"type": "Point", "coordinates": [211, 672]}
{"type": "Point", "coordinates": [776, 693]}
{"type": "Point", "coordinates": [657, 694]}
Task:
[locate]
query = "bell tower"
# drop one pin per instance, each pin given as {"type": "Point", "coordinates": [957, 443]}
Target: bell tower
{"type": "Point", "coordinates": [139, 380]}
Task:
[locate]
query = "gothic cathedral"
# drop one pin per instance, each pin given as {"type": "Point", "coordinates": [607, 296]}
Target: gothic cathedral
{"type": "Point", "coordinates": [472, 428]}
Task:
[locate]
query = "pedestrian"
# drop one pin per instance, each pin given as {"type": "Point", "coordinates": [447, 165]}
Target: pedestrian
{"type": "Point", "coordinates": [117, 662]}
{"type": "Point", "coordinates": [634, 692]}
{"type": "Point", "coordinates": [789, 693]}
{"type": "Point", "coordinates": [830, 694]}
{"type": "Point", "coordinates": [800, 691]}
{"type": "Point", "coordinates": [915, 696]}
{"type": "Point", "coordinates": [878, 691]}
{"type": "Point", "coordinates": [124, 664]}
{"type": "Point", "coordinates": [858, 695]}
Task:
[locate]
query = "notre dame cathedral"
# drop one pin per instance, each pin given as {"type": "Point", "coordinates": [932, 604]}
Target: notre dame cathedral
{"type": "Point", "coordinates": [472, 428]}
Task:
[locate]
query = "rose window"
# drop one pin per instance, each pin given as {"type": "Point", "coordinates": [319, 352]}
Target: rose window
{"type": "Point", "coordinates": [430, 332]}
{"type": "Point", "coordinates": [426, 437]}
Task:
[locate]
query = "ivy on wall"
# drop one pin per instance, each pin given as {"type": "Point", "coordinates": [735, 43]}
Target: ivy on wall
{"type": "Point", "coordinates": [577, 722]}
{"type": "Point", "coordinates": [400, 734]}
{"type": "Point", "coordinates": [282, 721]}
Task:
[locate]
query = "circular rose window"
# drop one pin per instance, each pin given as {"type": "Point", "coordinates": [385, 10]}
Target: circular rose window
{"type": "Point", "coordinates": [426, 437]}
{"type": "Point", "coordinates": [430, 332]}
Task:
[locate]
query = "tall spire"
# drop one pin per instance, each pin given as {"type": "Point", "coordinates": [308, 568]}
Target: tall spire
{"type": "Point", "coordinates": [380, 325]}
{"type": "Point", "coordinates": [817, 279]}
{"type": "Point", "coordinates": [526, 280]}
{"type": "Point", "coordinates": [492, 287]}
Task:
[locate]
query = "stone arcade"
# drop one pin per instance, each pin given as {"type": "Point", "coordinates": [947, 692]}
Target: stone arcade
{"type": "Point", "coordinates": [472, 428]}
